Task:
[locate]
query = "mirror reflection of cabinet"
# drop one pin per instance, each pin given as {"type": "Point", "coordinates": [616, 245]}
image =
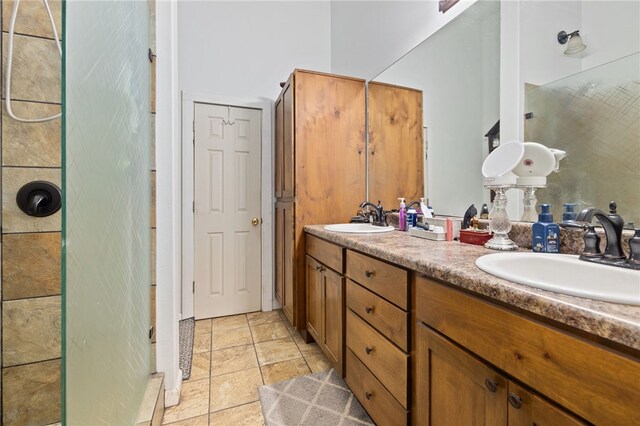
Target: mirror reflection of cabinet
{"type": "Point", "coordinates": [395, 148]}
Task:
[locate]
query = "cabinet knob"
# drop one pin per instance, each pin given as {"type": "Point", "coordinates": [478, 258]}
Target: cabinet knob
{"type": "Point", "coordinates": [369, 274]}
{"type": "Point", "coordinates": [368, 395]}
{"type": "Point", "coordinates": [491, 384]}
{"type": "Point", "coordinates": [368, 350]}
{"type": "Point", "coordinates": [368, 309]}
{"type": "Point", "coordinates": [515, 400]}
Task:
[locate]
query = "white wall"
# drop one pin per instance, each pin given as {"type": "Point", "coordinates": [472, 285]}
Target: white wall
{"type": "Point", "coordinates": [368, 36]}
{"type": "Point", "coordinates": [246, 48]}
{"type": "Point", "coordinates": [610, 29]}
{"type": "Point", "coordinates": [458, 70]}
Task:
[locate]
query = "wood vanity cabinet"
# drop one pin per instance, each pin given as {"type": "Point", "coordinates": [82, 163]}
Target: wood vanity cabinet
{"type": "Point", "coordinates": [325, 298]}
{"type": "Point", "coordinates": [377, 330]}
{"type": "Point", "coordinates": [479, 363]}
{"type": "Point", "coordinates": [319, 169]}
{"type": "Point", "coordinates": [395, 149]}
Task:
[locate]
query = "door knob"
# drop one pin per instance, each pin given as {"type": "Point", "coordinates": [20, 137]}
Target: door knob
{"type": "Point", "coordinates": [255, 221]}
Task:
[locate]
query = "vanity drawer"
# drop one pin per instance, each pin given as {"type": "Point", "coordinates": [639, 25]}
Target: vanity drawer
{"type": "Point", "coordinates": [598, 384]}
{"type": "Point", "coordinates": [382, 278]}
{"type": "Point", "coordinates": [379, 403]}
{"type": "Point", "coordinates": [385, 317]}
{"type": "Point", "coordinates": [325, 252]}
{"type": "Point", "coordinates": [388, 363]}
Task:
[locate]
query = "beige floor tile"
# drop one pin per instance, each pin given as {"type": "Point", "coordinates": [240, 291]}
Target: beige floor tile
{"type": "Point", "coordinates": [229, 323]}
{"type": "Point", "coordinates": [271, 331]}
{"type": "Point", "coordinates": [318, 363]}
{"type": "Point", "coordinates": [193, 421]}
{"type": "Point", "coordinates": [194, 400]}
{"type": "Point", "coordinates": [277, 351]}
{"type": "Point", "coordinates": [233, 359]}
{"type": "Point", "coordinates": [244, 415]}
{"type": "Point", "coordinates": [274, 373]}
{"type": "Point", "coordinates": [256, 318]}
{"type": "Point", "coordinates": [203, 326]}
{"type": "Point", "coordinates": [201, 342]}
{"type": "Point", "coordinates": [230, 390]}
{"type": "Point", "coordinates": [282, 315]}
{"type": "Point", "coordinates": [307, 349]}
{"type": "Point", "coordinates": [200, 366]}
{"type": "Point", "coordinates": [229, 338]}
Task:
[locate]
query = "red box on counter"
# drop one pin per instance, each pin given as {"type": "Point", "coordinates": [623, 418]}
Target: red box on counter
{"type": "Point", "coordinates": [471, 236]}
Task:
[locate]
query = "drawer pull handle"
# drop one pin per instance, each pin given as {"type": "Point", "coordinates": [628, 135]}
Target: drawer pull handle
{"type": "Point", "coordinates": [515, 400]}
{"type": "Point", "coordinates": [369, 274]}
{"type": "Point", "coordinates": [368, 309]}
{"type": "Point", "coordinates": [491, 385]}
{"type": "Point", "coordinates": [317, 268]}
{"type": "Point", "coordinates": [368, 350]}
{"type": "Point", "coordinates": [368, 395]}
{"type": "Point", "coordinates": [322, 269]}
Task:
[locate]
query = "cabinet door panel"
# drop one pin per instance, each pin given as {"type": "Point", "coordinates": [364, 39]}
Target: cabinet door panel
{"type": "Point", "coordinates": [288, 188]}
{"type": "Point", "coordinates": [451, 386]}
{"type": "Point", "coordinates": [395, 131]}
{"type": "Point", "coordinates": [537, 411]}
{"type": "Point", "coordinates": [279, 254]}
{"type": "Point", "coordinates": [279, 145]}
{"type": "Point", "coordinates": [314, 299]}
{"type": "Point", "coordinates": [288, 305]}
{"type": "Point", "coordinates": [333, 286]}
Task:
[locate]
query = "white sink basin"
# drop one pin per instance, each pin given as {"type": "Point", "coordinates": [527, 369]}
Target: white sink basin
{"type": "Point", "coordinates": [358, 228]}
{"type": "Point", "coordinates": [565, 274]}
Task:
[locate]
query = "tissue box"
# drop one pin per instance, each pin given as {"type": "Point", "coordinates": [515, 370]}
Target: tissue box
{"type": "Point", "coordinates": [428, 235]}
{"type": "Point", "coordinates": [441, 221]}
{"type": "Point", "coordinates": [478, 238]}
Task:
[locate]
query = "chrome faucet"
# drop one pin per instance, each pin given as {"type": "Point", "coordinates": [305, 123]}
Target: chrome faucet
{"type": "Point", "coordinates": [612, 224]}
{"type": "Point", "coordinates": [381, 217]}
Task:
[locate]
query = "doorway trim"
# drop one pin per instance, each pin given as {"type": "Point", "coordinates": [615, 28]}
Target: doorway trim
{"type": "Point", "coordinates": [189, 99]}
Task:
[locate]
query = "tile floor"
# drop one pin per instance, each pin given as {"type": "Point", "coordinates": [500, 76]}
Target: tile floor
{"type": "Point", "coordinates": [232, 357]}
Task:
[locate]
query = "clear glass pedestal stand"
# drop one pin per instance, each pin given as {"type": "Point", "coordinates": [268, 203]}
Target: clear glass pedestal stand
{"type": "Point", "coordinates": [499, 222]}
{"type": "Point", "coordinates": [529, 202]}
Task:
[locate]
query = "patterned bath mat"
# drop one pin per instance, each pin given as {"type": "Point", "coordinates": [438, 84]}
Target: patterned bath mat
{"type": "Point", "coordinates": [185, 332]}
{"type": "Point", "coordinates": [317, 399]}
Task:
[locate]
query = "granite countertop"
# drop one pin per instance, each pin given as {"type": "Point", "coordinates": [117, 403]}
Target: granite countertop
{"type": "Point", "coordinates": [454, 263]}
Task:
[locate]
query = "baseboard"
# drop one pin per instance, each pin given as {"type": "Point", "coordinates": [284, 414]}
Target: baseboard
{"type": "Point", "coordinates": [172, 396]}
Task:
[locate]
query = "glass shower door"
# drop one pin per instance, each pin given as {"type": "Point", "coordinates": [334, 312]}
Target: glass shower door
{"type": "Point", "coordinates": [106, 211]}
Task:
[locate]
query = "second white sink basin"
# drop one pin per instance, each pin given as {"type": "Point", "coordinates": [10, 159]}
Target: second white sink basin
{"type": "Point", "coordinates": [565, 274]}
{"type": "Point", "coordinates": [358, 228]}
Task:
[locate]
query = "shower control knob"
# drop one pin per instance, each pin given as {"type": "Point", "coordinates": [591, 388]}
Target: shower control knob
{"type": "Point", "coordinates": [39, 198]}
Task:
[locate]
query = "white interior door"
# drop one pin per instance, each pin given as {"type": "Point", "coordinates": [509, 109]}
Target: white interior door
{"type": "Point", "coordinates": [227, 210]}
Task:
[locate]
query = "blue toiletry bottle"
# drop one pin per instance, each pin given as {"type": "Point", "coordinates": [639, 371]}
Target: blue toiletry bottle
{"type": "Point", "coordinates": [568, 213]}
{"type": "Point", "coordinates": [545, 235]}
{"type": "Point", "coordinates": [412, 218]}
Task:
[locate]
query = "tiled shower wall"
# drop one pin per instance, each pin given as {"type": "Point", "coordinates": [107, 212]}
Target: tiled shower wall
{"type": "Point", "coordinates": [31, 278]}
{"type": "Point", "coordinates": [31, 311]}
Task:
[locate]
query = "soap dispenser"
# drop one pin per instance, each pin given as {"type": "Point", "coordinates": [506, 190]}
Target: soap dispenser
{"type": "Point", "coordinates": [402, 212]}
{"type": "Point", "coordinates": [426, 211]}
{"type": "Point", "coordinates": [545, 235]}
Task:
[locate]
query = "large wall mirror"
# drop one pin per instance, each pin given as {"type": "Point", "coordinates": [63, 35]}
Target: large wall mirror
{"type": "Point", "coordinates": [586, 103]}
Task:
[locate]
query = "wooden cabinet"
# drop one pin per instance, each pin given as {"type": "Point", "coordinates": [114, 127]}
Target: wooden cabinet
{"type": "Point", "coordinates": [319, 168]}
{"type": "Point", "coordinates": [551, 374]}
{"type": "Point", "coordinates": [395, 150]}
{"type": "Point", "coordinates": [325, 300]}
{"type": "Point", "coordinates": [377, 332]}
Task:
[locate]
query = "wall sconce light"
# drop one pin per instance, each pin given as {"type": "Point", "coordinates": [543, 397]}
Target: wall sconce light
{"type": "Point", "coordinates": [573, 41]}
